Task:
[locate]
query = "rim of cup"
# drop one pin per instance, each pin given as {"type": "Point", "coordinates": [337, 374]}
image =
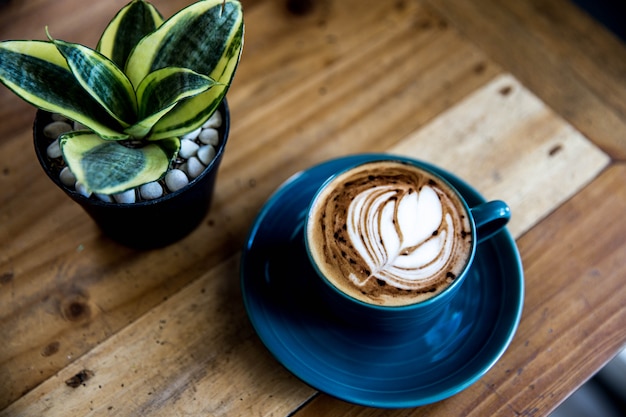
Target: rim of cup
{"type": "Point", "coordinates": [416, 305]}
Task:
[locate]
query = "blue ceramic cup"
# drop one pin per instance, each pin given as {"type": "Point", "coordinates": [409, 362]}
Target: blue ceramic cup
{"type": "Point", "coordinates": [392, 241]}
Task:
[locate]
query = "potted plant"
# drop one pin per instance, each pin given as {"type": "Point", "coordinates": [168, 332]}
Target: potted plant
{"type": "Point", "coordinates": [135, 103]}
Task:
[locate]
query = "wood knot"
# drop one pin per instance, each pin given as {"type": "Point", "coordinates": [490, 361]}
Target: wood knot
{"type": "Point", "coordinates": [50, 349]}
{"type": "Point", "coordinates": [480, 68]}
{"type": "Point", "coordinates": [555, 150]}
{"type": "Point", "coordinates": [6, 277]}
{"type": "Point", "coordinates": [300, 7]}
{"type": "Point", "coordinates": [80, 378]}
{"type": "Point", "coordinates": [75, 308]}
{"type": "Point", "coordinates": [506, 90]}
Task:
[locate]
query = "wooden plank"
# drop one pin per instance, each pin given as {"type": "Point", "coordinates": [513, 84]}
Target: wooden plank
{"type": "Point", "coordinates": [510, 108]}
{"type": "Point", "coordinates": [571, 302]}
{"type": "Point", "coordinates": [210, 361]}
{"type": "Point", "coordinates": [582, 42]}
{"type": "Point", "coordinates": [306, 91]}
{"type": "Point", "coordinates": [323, 98]}
{"type": "Point", "coordinates": [348, 77]}
{"type": "Point", "coordinates": [515, 148]}
{"type": "Point", "coordinates": [195, 354]}
{"type": "Point", "coordinates": [559, 53]}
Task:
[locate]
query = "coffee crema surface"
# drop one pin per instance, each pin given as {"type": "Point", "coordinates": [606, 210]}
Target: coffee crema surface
{"type": "Point", "coordinates": [389, 233]}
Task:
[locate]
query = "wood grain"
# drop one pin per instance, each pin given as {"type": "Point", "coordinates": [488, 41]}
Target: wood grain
{"type": "Point", "coordinates": [200, 336]}
{"type": "Point", "coordinates": [513, 147]}
{"type": "Point", "coordinates": [572, 301]}
{"type": "Point", "coordinates": [195, 354]}
{"type": "Point", "coordinates": [348, 76]}
{"type": "Point", "coordinates": [560, 54]}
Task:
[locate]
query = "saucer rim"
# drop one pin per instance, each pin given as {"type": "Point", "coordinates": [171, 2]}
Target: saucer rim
{"type": "Point", "coordinates": [506, 243]}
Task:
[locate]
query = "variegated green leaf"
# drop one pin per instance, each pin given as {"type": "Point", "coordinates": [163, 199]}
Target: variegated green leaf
{"type": "Point", "coordinates": [196, 38]}
{"type": "Point", "coordinates": [109, 167]}
{"type": "Point", "coordinates": [206, 37]}
{"type": "Point", "coordinates": [101, 78]}
{"type": "Point", "coordinates": [134, 21]}
{"type": "Point", "coordinates": [161, 90]}
{"type": "Point", "coordinates": [191, 114]}
{"type": "Point", "coordinates": [38, 73]}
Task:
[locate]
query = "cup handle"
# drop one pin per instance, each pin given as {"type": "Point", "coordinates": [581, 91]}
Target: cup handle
{"type": "Point", "coordinates": [490, 218]}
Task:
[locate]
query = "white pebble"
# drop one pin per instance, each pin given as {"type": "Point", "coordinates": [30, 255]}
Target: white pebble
{"type": "Point", "coordinates": [104, 197]}
{"type": "Point", "coordinates": [194, 167]}
{"type": "Point", "coordinates": [151, 190]}
{"type": "Point", "coordinates": [188, 148]}
{"type": "Point", "coordinates": [214, 121]}
{"type": "Point", "coordinates": [55, 129]}
{"type": "Point", "coordinates": [67, 178]}
{"type": "Point", "coordinates": [81, 189]}
{"type": "Point", "coordinates": [126, 197]}
{"type": "Point", "coordinates": [209, 136]}
{"type": "Point", "coordinates": [176, 179]}
{"type": "Point", "coordinates": [206, 154]}
{"type": "Point", "coordinates": [54, 150]}
{"type": "Point", "coordinates": [192, 135]}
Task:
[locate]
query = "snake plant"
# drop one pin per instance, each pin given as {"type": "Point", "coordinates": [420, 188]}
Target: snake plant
{"type": "Point", "coordinates": [148, 82]}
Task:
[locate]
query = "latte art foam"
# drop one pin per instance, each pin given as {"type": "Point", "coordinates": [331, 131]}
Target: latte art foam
{"type": "Point", "coordinates": [389, 233]}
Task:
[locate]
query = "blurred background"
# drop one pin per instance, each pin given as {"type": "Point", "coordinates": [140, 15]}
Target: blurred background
{"type": "Point", "coordinates": [604, 395]}
{"type": "Point", "coordinates": [612, 13]}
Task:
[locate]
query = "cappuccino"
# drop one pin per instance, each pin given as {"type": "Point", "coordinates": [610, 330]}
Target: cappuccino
{"type": "Point", "coordinates": [389, 233]}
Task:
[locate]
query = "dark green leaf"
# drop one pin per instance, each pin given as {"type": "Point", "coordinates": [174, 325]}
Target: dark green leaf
{"type": "Point", "coordinates": [37, 72]}
{"type": "Point", "coordinates": [161, 90]}
{"type": "Point", "coordinates": [109, 167]}
{"type": "Point", "coordinates": [101, 78]}
{"type": "Point", "coordinates": [206, 37]}
{"type": "Point", "coordinates": [133, 22]}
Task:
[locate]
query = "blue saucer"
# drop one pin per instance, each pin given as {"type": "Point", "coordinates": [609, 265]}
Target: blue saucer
{"type": "Point", "coordinates": [373, 367]}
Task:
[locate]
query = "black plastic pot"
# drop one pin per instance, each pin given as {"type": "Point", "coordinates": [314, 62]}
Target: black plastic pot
{"type": "Point", "coordinates": [144, 224]}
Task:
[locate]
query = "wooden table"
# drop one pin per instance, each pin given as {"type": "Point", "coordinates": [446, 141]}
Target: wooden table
{"type": "Point", "coordinates": [526, 100]}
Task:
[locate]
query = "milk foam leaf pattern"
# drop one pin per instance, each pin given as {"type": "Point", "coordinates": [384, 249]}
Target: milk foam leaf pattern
{"type": "Point", "coordinates": [109, 167]}
{"type": "Point", "coordinates": [102, 79]}
{"type": "Point", "coordinates": [38, 73]}
{"type": "Point", "coordinates": [217, 26]}
{"type": "Point", "coordinates": [402, 237]}
{"type": "Point", "coordinates": [149, 80]}
{"type": "Point", "coordinates": [132, 23]}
